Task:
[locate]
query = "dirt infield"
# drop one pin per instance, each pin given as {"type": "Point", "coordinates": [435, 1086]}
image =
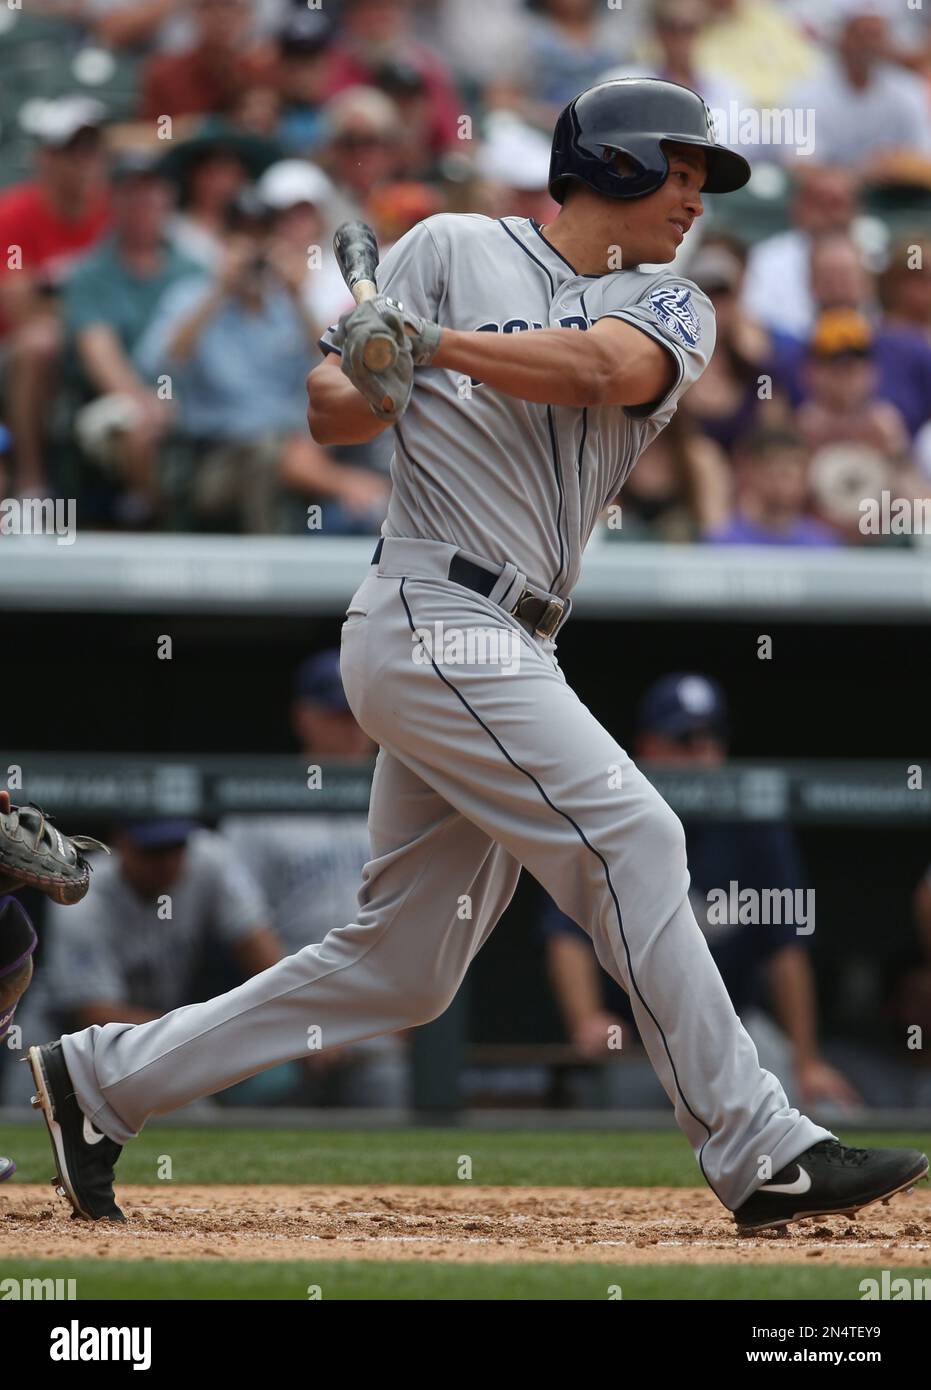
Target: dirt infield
{"type": "Point", "coordinates": [489, 1224]}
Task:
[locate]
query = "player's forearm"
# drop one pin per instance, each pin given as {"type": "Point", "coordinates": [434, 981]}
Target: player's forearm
{"type": "Point", "coordinates": [336, 412]}
{"type": "Point", "coordinates": [551, 366]}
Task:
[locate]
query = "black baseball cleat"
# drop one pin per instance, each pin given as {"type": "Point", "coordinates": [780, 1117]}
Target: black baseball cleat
{"type": "Point", "coordinates": [830, 1180]}
{"type": "Point", "coordinates": [84, 1157]}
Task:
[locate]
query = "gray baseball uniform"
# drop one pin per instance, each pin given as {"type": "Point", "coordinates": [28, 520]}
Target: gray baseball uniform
{"type": "Point", "coordinates": [488, 759]}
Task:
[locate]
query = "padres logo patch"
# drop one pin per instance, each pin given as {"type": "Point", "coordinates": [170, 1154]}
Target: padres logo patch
{"type": "Point", "coordinates": [672, 305]}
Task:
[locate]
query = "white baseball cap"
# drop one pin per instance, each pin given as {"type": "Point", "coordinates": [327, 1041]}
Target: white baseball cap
{"type": "Point", "coordinates": [56, 123]}
{"type": "Point", "coordinates": [293, 181]}
{"type": "Point", "coordinates": [514, 153]}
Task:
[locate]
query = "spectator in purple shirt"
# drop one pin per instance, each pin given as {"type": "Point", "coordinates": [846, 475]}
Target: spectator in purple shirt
{"type": "Point", "coordinates": [772, 494]}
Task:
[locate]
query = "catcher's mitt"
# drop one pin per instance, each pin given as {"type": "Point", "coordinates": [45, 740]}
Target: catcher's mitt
{"type": "Point", "coordinates": [34, 854]}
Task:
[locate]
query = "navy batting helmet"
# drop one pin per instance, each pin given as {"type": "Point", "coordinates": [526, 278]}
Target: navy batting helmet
{"type": "Point", "coordinates": [632, 116]}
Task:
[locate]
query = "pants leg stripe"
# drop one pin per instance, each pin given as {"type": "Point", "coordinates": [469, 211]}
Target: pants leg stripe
{"type": "Point", "coordinates": [604, 864]}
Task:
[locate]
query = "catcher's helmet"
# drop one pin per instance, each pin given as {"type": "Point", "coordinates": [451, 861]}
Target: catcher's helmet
{"type": "Point", "coordinates": [631, 116]}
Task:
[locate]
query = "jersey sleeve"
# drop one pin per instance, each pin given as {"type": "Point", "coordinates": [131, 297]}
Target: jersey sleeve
{"type": "Point", "coordinates": [412, 272]}
{"type": "Point", "coordinates": [679, 316]}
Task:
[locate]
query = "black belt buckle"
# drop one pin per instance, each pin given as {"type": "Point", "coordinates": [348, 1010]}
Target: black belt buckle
{"type": "Point", "coordinates": [543, 615]}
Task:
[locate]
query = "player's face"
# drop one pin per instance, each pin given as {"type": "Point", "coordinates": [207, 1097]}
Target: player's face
{"type": "Point", "coordinates": [673, 208]}
{"type": "Point", "coordinates": [650, 230]}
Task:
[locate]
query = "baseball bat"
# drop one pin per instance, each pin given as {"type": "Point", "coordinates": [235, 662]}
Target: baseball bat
{"type": "Point", "coordinates": [357, 256]}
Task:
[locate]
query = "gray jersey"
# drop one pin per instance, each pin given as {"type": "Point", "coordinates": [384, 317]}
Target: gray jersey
{"type": "Point", "coordinates": [506, 478]}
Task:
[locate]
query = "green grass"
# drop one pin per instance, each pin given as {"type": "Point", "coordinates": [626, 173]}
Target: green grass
{"type": "Point", "coordinates": [404, 1281]}
{"type": "Point", "coordinates": [516, 1158]}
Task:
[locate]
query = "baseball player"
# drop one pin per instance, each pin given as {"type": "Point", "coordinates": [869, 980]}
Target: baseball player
{"type": "Point", "coordinates": [533, 365]}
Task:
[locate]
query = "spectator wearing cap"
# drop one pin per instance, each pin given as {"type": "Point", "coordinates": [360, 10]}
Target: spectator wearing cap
{"type": "Point", "coordinates": [902, 357]}
{"type": "Point", "coordinates": [842, 405]}
{"type": "Point", "coordinates": [726, 401]}
{"type": "Point", "coordinates": [869, 113]}
{"type": "Point", "coordinates": [773, 493]}
{"type": "Point", "coordinates": [362, 149]}
{"type": "Point", "coordinates": [46, 225]}
{"type": "Point", "coordinates": [514, 161]}
{"type": "Point", "coordinates": [309, 868]}
{"type": "Point", "coordinates": [304, 45]}
{"type": "Point", "coordinates": [132, 948]}
{"type": "Point", "coordinates": [757, 44]}
{"type": "Point", "coordinates": [210, 169]}
{"type": "Point", "coordinates": [301, 200]}
{"type": "Point", "coordinates": [376, 34]}
{"type": "Point", "coordinates": [682, 724]}
{"type": "Point", "coordinates": [211, 75]}
{"type": "Point", "coordinates": [237, 347]}
{"type": "Point", "coordinates": [107, 305]}
{"type": "Point", "coordinates": [680, 489]}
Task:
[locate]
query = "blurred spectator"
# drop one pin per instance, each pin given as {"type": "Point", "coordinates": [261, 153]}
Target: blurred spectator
{"type": "Point", "coordinates": [757, 45]}
{"type": "Point", "coordinates": [107, 305]}
{"type": "Point", "coordinates": [300, 198]}
{"type": "Point", "coordinates": [514, 159]}
{"type": "Point", "coordinates": [130, 950]}
{"type": "Point", "coordinates": [222, 61]}
{"type": "Point", "coordinates": [238, 348]}
{"type": "Point", "coordinates": [842, 405]}
{"type": "Point", "coordinates": [6, 461]}
{"type": "Point", "coordinates": [303, 55]}
{"type": "Point", "coordinates": [905, 287]}
{"type": "Point", "coordinates": [679, 490]}
{"type": "Point", "coordinates": [682, 723]}
{"type": "Point", "coordinates": [378, 34]}
{"type": "Point", "coordinates": [773, 494]}
{"type": "Point", "coordinates": [503, 26]}
{"type": "Point", "coordinates": [571, 43]}
{"type": "Point", "coordinates": [46, 224]}
{"type": "Point", "coordinates": [671, 54]}
{"type": "Point", "coordinates": [902, 357]}
{"type": "Point", "coordinates": [777, 290]}
{"type": "Point", "coordinates": [165, 25]}
{"type": "Point", "coordinates": [309, 868]}
{"type": "Point", "coordinates": [728, 398]}
{"type": "Point", "coordinates": [210, 169]}
{"type": "Point", "coordinates": [361, 151]}
{"type": "Point", "coordinates": [869, 111]}
{"type": "Point", "coordinates": [395, 208]}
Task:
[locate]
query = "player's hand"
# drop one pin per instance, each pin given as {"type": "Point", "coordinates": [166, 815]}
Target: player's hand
{"type": "Point", "coordinates": [387, 392]}
{"type": "Point", "coordinates": [5, 806]}
{"type": "Point", "coordinates": [422, 335]}
{"type": "Point", "coordinates": [819, 1081]}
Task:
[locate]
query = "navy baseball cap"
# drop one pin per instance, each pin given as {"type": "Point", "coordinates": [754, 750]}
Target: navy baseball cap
{"type": "Point", "coordinates": [682, 704]}
{"type": "Point", "coordinates": [318, 681]}
{"type": "Point", "coordinates": [163, 833]}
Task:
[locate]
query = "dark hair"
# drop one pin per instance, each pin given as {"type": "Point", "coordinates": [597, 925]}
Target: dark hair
{"type": "Point", "coordinates": [763, 439]}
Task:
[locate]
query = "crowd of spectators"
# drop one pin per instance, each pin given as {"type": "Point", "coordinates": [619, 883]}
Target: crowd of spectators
{"type": "Point", "coordinates": [166, 268]}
